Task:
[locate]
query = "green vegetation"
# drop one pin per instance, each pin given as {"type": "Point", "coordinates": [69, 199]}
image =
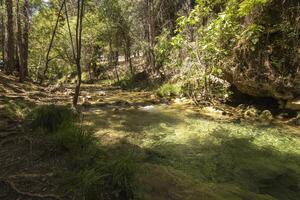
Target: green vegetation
{"type": "Point", "coordinates": [171, 99]}
{"type": "Point", "coordinates": [240, 159]}
{"type": "Point", "coordinates": [92, 173]}
{"type": "Point", "coordinates": [169, 90]}
{"type": "Point", "coordinates": [49, 118]}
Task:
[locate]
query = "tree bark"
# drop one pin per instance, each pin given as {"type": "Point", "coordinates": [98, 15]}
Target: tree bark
{"type": "Point", "coordinates": [2, 34]}
{"type": "Point", "coordinates": [20, 45]}
{"type": "Point", "coordinates": [150, 35]}
{"type": "Point", "coordinates": [26, 36]}
{"type": "Point", "coordinates": [80, 14]}
{"type": "Point", "coordinates": [10, 45]}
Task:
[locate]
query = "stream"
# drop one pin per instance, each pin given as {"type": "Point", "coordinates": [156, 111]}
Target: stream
{"type": "Point", "coordinates": [263, 159]}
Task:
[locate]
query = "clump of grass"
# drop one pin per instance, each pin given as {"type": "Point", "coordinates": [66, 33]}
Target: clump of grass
{"type": "Point", "coordinates": [105, 178]}
{"type": "Point", "coordinates": [92, 174]}
{"type": "Point", "coordinates": [169, 90]}
{"type": "Point", "coordinates": [49, 118]}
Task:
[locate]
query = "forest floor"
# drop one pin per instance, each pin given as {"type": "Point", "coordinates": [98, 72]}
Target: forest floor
{"type": "Point", "coordinates": [182, 151]}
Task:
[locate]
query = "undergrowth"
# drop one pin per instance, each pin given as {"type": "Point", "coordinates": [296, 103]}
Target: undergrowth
{"type": "Point", "coordinates": [169, 90]}
{"type": "Point", "coordinates": [91, 172]}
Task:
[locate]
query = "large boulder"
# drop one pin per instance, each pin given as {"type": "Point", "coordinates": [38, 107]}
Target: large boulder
{"type": "Point", "coordinates": [293, 104]}
{"type": "Point", "coordinates": [268, 65]}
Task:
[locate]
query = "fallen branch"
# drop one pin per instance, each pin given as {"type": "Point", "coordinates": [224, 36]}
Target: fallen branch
{"type": "Point", "coordinates": [28, 194]}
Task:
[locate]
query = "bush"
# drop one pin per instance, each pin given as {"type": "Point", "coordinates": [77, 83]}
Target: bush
{"type": "Point", "coordinates": [105, 179]}
{"type": "Point", "coordinates": [92, 174]}
{"type": "Point", "coordinates": [49, 118]}
{"type": "Point", "coordinates": [74, 139]}
{"type": "Point", "coordinates": [169, 90]}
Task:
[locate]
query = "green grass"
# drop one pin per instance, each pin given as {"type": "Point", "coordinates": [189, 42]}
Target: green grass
{"type": "Point", "coordinates": [91, 172]}
{"type": "Point", "coordinates": [49, 118]}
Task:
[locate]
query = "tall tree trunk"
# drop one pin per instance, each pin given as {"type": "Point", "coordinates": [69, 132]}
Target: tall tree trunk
{"type": "Point", "coordinates": [150, 34]}
{"type": "Point", "coordinates": [26, 35]}
{"type": "Point", "coordinates": [80, 14]}
{"type": "Point", "coordinates": [116, 63]}
{"type": "Point", "coordinates": [2, 33]}
{"type": "Point", "coordinates": [128, 54]}
{"type": "Point", "coordinates": [20, 46]}
{"type": "Point", "coordinates": [10, 45]}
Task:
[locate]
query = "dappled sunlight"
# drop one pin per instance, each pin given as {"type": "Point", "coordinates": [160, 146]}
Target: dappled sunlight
{"type": "Point", "coordinates": [253, 157]}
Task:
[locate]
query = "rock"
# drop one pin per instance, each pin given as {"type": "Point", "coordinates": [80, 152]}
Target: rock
{"type": "Point", "coordinates": [282, 116]}
{"type": "Point", "coordinates": [148, 107]}
{"type": "Point", "coordinates": [56, 88]}
{"type": "Point", "coordinates": [102, 93]}
{"type": "Point", "coordinates": [295, 120]}
{"type": "Point", "coordinates": [250, 114]}
{"type": "Point", "coordinates": [212, 110]}
{"type": "Point", "coordinates": [100, 100]}
{"type": "Point", "coordinates": [152, 96]}
{"type": "Point", "coordinates": [293, 104]}
{"type": "Point", "coordinates": [86, 103]}
{"type": "Point", "coordinates": [122, 103]}
{"type": "Point", "coordinates": [266, 116]}
{"type": "Point", "coordinates": [241, 107]}
{"type": "Point", "coordinates": [177, 101]}
{"type": "Point", "coordinates": [115, 109]}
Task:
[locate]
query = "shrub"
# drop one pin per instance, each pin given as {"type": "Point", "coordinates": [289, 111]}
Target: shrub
{"type": "Point", "coordinates": [105, 179]}
{"type": "Point", "coordinates": [169, 90]}
{"type": "Point", "coordinates": [73, 138]}
{"type": "Point", "coordinates": [49, 118]}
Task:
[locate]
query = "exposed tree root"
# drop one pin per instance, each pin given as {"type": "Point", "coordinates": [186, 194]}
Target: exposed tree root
{"type": "Point", "coordinates": [29, 194]}
{"type": "Point", "coordinates": [31, 175]}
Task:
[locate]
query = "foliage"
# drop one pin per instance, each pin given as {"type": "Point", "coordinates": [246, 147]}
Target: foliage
{"type": "Point", "coordinates": [169, 90]}
{"type": "Point", "coordinates": [49, 118]}
{"type": "Point", "coordinates": [92, 174]}
{"type": "Point", "coordinates": [230, 36]}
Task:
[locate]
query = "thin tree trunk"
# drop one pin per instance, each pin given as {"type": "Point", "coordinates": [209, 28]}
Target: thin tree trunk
{"type": "Point", "coordinates": [116, 65]}
{"type": "Point", "coordinates": [70, 32]}
{"type": "Point", "coordinates": [150, 35]}
{"type": "Point", "coordinates": [51, 42]}
{"type": "Point", "coordinates": [2, 34]}
{"type": "Point", "coordinates": [10, 50]}
{"type": "Point", "coordinates": [26, 36]}
{"type": "Point", "coordinates": [80, 14]}
{"type": "Point", "coordinates": [128, 54]}
{"type": "Point", "coordinates": [20, 46]}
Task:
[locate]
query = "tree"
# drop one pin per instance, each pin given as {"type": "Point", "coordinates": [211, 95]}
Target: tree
{"type": "Point", "coordinates": [2, 27]}
{"type": "Point", "coordinates": [80, 14]}
{"type": "Point", "coordinates": [10, 43]}
{"type": "Point", "coordinates": [26, 36]}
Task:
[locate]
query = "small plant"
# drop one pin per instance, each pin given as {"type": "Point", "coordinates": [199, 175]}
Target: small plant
{"type": "Point", "coordinates": [105, 179]}
{"type": "Point", "coordinates": [169, 90]}
{"type": "Point", "coordinates": [73, 138]}
{"type": "Point", "coordinates": [49, 118]}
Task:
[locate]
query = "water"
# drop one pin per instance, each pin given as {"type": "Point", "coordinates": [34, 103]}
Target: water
{"type": "Point", "coordinates": [256, 158]}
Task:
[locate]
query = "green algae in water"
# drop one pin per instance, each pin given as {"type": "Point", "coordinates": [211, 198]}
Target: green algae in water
{"type": "Point", "coordinates": [258, 159]}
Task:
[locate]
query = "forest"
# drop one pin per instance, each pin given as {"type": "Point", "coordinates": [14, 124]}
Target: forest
{"type": "Point", "coordinates": [150, 100]}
